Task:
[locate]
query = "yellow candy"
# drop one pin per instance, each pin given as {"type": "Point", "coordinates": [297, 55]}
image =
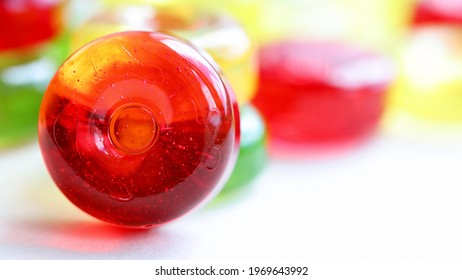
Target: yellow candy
{"type": "Point", "coordinates": [375, 22]}
{"type": "Point", "coordinates": [246, 12]}
{"type": "Point", "coordinates": [225, 41]}
{"type": "Point", "coordinates": [369, 22]}
{"type": "Point", "coordinates": [430, 80]}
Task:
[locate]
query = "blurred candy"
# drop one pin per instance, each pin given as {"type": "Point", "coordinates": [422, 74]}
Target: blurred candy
{"type": "Point", "coordinates": [21, 90]}
{"type": "Point", "coordinates": [430, 63]}
{"type": "Point", "coordinates": [220, 36]}
{"type": "Point", "coordinates": [27, 22]}
{"type": "Point", "coordinates": [27, 63]}
{"type": "Point", "coordinates": [320, 91]}
{"type": "Point", "coordinates": [252, 154]}
{"type": "Point", "coordinates": [246, 12]}
{"type": "Point", "coordinates": [375, 24]}
{"type": "Point", "coordinates": [430, 80]}
{"type": "Point", "coordinates": [371, 23]}
{"type": "Point", "coordinates": [138, 128]}
{"type": "Point", "coordinates": [438, 12]}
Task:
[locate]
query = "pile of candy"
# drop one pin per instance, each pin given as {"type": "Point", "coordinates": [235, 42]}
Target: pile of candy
{"type": "Point", "coordinates": [161, 105]}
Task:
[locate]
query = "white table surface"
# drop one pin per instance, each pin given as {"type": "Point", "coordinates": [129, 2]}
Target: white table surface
{"type": "Point", "coordinates": [397, 196]}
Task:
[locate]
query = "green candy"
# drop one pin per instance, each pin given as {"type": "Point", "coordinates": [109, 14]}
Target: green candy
{"type": "Point", "coordinates": [22, 83]}
{"type": "Point", "coordinates": [252, 154]}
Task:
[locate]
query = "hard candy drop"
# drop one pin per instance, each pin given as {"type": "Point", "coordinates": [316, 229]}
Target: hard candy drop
{"type": "Point", "coordinates": [321, 91]}
{"type": "Point", "coordinates": [129, 139]}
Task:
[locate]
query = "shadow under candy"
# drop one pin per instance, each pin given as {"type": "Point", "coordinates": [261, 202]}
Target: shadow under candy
{"type": "Point", "coordinates": [39, 223]}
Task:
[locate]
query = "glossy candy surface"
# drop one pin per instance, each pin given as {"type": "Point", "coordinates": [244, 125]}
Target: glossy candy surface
{"type": "Point", "coordinates": [222, 37]}
{"type": "Point", "coordinates": [319, 91]}
{"type": "Point", "coordinates": [252, 153]}
{"type": "Point", "coordinates": [226, 42]}
{"type": "Point", "coordinates": [138, 128]}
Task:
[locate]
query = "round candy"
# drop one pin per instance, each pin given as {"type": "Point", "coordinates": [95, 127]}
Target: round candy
{"type": "Point", "coordinates": [252, 153]}
{"type": "Point", "coordinates": [220, 36]}
{"type": "Point", "coordinates": [321, 91]}
{"type": "Point", "coordinates": [138, 128]}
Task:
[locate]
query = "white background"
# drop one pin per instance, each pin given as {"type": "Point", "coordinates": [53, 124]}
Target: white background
{"type": "Point", "coordinates": [396, 196]}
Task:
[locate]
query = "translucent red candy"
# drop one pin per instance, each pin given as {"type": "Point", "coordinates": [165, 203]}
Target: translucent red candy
{"type": "Point", "coordinates": [438, 12]}
{"type": "Point", "coordinates": [320, 91]}
{"type": "Point", "coordinates": [138, 128]}
{"type": "Point", "coordinates": [28, 22]}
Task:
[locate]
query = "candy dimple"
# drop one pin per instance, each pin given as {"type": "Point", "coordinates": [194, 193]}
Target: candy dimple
{"type": "Point", "coordinates": [135, 145]}
{"type": "Point", "coordinates": [133, 129]}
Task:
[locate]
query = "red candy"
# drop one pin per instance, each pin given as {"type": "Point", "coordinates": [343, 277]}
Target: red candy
{"type": "Point", "coordinates": [27, 22]}
{"type": "Point", "coordinates": [438, 11]}
{"type": "Point", "coordinates": [319, 91]}
{"type": "Point", "coordinates": [138, 128]}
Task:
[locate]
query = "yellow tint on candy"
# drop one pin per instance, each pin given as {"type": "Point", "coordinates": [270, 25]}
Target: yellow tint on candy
{"type": "Point", "coordinates": [78, 80]}
{"type": "Point", "coordinates": [430, 77]}
{"type": "Point", "coordinates": [374, 23]}
{"type": "Point", "coordinates": [222, 37]}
